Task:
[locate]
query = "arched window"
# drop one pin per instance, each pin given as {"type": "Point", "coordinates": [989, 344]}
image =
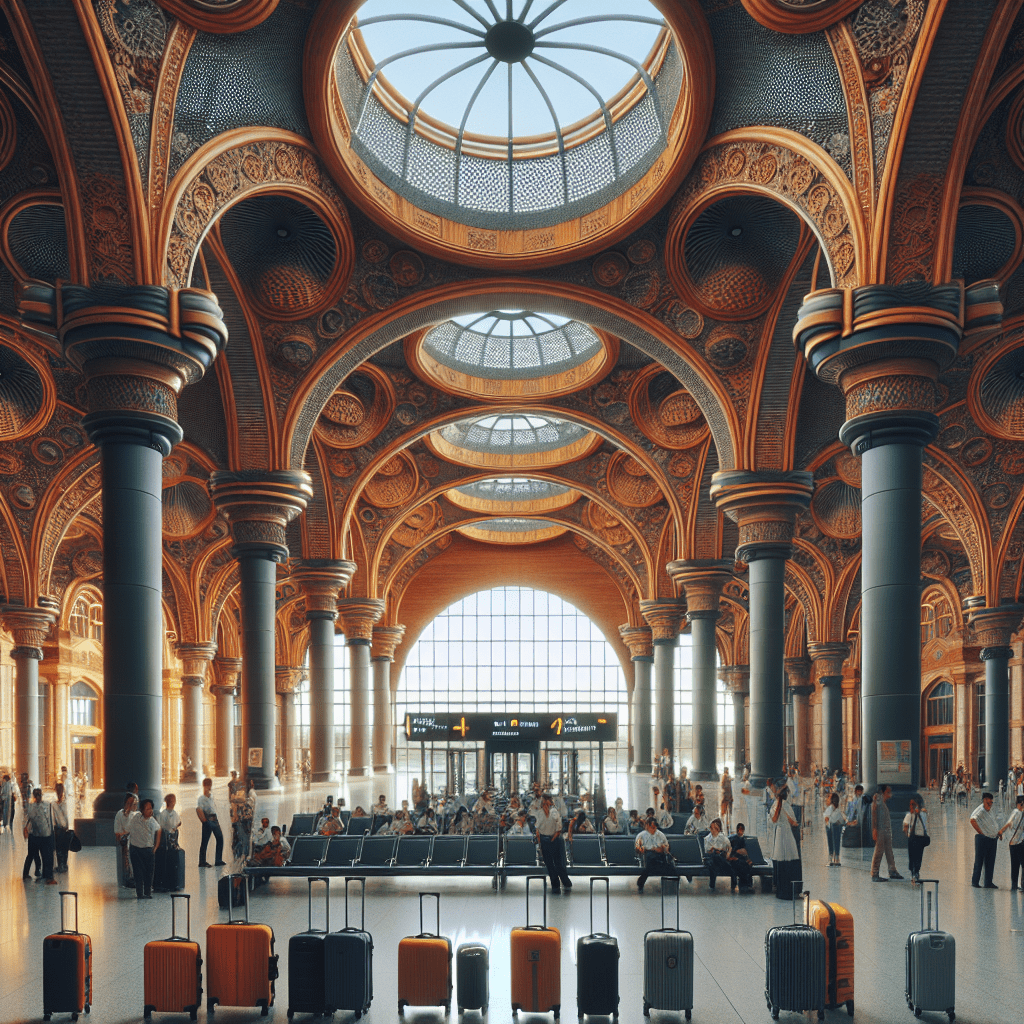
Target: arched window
{"type": "Point", "coordinates": [83, 704]}
{"type": "Point", "coordinates": [943, 617]}
{"type": "Point", "coordinates": [96, 622]}
{"type": "Point", "coordinates": [927, 622]}
{"type": "Point", "coordinates": [939, 706]}
{"type": "Point", "coordinates": [79, 622]}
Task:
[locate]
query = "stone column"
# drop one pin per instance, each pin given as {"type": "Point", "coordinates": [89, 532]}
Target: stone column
{"type": "Point", "coordinates": [884, 347]}
{"type": "Point", "coordinates": [641, 653]}
{"type": "Point", "coordinates": [28, 627]}
{"type": "Point", "coordinates": [764, 506]}
{"type": "Point", "coordinates": [259, 505]}
{"type": "Point", "coordinates": [664, 616]}
{"type": "Point", "coordinates": [286, 680]}
{"type": "Point", "coordinates": [358, 616]}
{"type": "Point", "coordinates": [737, 681]}
{"type": "Point", "coordinates": [702, 583]}
{"type": "Point", "coordinates": [321, 581]}
{"type": "Point", "coordinates": [851, 722]}
{"type": "Point", "coordinates": [993, 629]}
{"type": "Point", "coordinates": [798, 673]}
{"type": "Point", "coordinates": [382, 653]}
{"type": "Point", "coordinates": [194, 660]}
{"type": "Point", "coordinates": [138, 347]}
{"type": "Point", "coordinates": [228, 672]}
{"type": "Point", "coordinates": [829, 658]}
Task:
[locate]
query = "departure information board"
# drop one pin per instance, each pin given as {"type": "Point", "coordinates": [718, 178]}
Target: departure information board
{"type": "Point", "coordinates": [475, 725]}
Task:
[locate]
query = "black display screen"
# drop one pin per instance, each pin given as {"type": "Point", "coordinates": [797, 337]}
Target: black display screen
{"type": "Point", "coordinates": [477, 725]}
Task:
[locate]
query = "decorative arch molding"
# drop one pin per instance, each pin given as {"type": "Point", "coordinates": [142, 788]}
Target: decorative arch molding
{"type": "Point", "coordinates": [605, 312]}
{"type": "Point", "coordinates": [234, 166]}
{"type": "Point", "coordinates": [799, 17]}
{"type": "Point", "coordinates": [222, 17]}
{"type": "Point", "coordinates": [800, 584]}
{"type": "Point", "coordinates": [80, 589]}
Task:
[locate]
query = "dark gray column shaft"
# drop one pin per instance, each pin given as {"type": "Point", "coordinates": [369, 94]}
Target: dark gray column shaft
{"type": "Point", "coordinates": [192, 728]}
{"type": "Point", "coordinates": [705, 705]}
{"type": "Point", "coordinates": [997, 715]}
{"type": "Point", "coordinates": [359, 718]}
{"type": "Point", "coordinates": [891, 602]}
{"type": "Point", "coordinates": [26, 713]}
{"type": "Point", "coordinates": [767, 676]}
{"type": "Point", "coordinates": [739, 718]}
{"type": "Point", "coordinates": [832, 722]}
{"type": "Point", "coordinates": [133, 622]}
{"type": "Point", "coordinates": [321, 698]}
{"type": "Point", "coordinates": [642, 714]}
{"type": "Point", "coordinates": [664, 696]}
{"type": "Point", "coordinates": [258, 702]}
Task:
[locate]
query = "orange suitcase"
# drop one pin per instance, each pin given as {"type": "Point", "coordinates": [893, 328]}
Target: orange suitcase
{"type": "Point", "coordinates": [173, 968]}
{"type": "Point", "coordinates": [536, 962]}
{"type": "Point", "coordinates": [241, 965]}
{"type": "Point", "coordinates": [425, 966]}
{"type": "Point", "coordinates": [67, 967]}
{"type": "Point", "coordinates": [836, 924]}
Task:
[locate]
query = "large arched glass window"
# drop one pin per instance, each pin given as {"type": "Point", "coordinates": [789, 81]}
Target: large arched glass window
{"type": "Point", "coordinates": [940, 705]}
{"type": "Point", "coordinates": [341, 709]}
{"type": "Point", "coordinates": [84, 700]}
{"type": "Point", "coordinates": [725, 747]}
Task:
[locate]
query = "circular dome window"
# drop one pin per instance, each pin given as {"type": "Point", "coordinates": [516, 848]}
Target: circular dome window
{"type": "Point", "coordinates": [506, 354]}
{"type": "Point", "coordinates": [508, 129]}
{"type": "Point", "coordinates": [513, 530]}
{"type": "Point", "coordinates": [513, 440]}
{"type": "Point", "coordinates": [510, 495]}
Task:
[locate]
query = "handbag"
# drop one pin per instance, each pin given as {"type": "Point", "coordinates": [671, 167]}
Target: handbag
{"type": "Point", "coordinates": [74, 843]}
{"type": "Point", "coordinates": [926, 839]}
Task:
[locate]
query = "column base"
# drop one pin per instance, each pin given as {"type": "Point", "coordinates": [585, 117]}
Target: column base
{"type": "Point", "coordinates": [324, 777]}
{"type": "Point", "coordinates": [263, 784]}
{"type": "Point", "coordinates": [383, 769]}
{"type": "Point", "coordinates": [695, 776]}
{"type": "Point", "coordinates": [758, 782]}
{"type": "Point", "coordinates": [190, 776]}
{"type": "Point", "coordinates": [359, 773]}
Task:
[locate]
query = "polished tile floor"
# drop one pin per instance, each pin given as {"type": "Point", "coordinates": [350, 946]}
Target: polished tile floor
{"type": "Point", "coordinates": [728, 931]}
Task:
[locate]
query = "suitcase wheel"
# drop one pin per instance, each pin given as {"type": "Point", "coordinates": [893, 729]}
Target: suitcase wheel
{"type": "Point", "coordinates": [211, 1005]}
{"type": "Point", "coordinates": [849, 1007]}
{"type": "Point", "coordinates": [689, 1013]}
{"type": "Point", "coordinates": [147, 1012]}
{"type": "Point", "coordinates": [952, 1015]}
{"type": "Point", "coordinates": [74, 1017]}
{"type": "Point", "coordinates": [401, 1009]}
{"type": "Point", "coordinates": [263, 1010]}
{"type": "Point", "coordinates": [46, 1016]}
{"type": "Point", "coordinates": [821, 1015]}
{"type": "Point", "coordinates": [87, 1007]}
{"type": "Point", "coordinates": [917, 1012]}
{"type": "Point", "coordinates": [291, 1013]}
{"type": "Point", "coordinates": [775, 1013]}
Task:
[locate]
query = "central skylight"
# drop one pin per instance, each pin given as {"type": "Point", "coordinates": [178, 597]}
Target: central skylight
{"type": "Point", "coordinates": [512, 432]}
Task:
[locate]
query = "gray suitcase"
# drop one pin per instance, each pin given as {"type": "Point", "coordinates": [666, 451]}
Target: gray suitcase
{"type": "Point", "coordinates": [794, 966]}
{"type": "Point", "coordinates": [471, 977]}
{"type": "Point", "coordinates": [668, 963]}
{"type": "Point", "coordinates": [931, 961]}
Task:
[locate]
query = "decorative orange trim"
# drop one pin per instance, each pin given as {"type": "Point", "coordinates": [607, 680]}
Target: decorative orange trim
{"type": "Point", "coordinates": [799, 19]}
{"type": "Point", "coordinates": [48, 402]}
{"type": "Point", "coordinates": [1007, 342]}
{"type": "Point", "coordinates": [498, 509]}
{"type": "Point", "coordinates": [224, 18]}
{"type": "Point", "coordinates": [538, 536]}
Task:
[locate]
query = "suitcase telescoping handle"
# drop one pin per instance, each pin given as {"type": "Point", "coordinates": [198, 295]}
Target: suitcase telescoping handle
{"type": "Point", "coordinates": [674, 882]}
{"type": "Point", "coordinates": [63, 903]}
{"type": "Point", "coordinates": [543, 879]}
{"type": "Point", "coordinates": [188, 915]}
{"type": "Point", "coordinates": [437, 896]}
{"type": "Point", "coordinates": [245, 899]}
{"type": "Point", "coordinates": [607, 903]}
{"type": "Point", "coordinates": [327, 901]}
{"type": "Point", "coordinates": [362, 915]}
{"type": "Point", "coordinates": [806, 896]}
{"type": "Point", "coordinates": [926, 926]}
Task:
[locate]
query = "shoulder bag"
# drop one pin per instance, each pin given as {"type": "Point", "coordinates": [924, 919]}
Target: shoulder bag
{"type": "Point", "coordinates": [926, 839]}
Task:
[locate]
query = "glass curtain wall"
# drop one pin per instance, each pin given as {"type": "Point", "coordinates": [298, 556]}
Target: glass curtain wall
{"type": "Point", "coordinates": [725, 746]}
{"type": "Point", "coordinates": [341, 708]}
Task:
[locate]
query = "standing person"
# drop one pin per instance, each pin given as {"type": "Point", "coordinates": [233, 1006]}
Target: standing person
{"type": "Point", "coordinates": [652, 845]}
{"type": "Point", "coordinates": [8, 792]}
{"type": "Point", "coordinates": [881, 832]}
{"type": "Point", "coordinates": [986, 842]}
{"type": "Point", "coordinates": [206, 812]}
{"type": "Point", "coordinates": [726, 784]}
{"type": "Point", "coordinates": [169, 821]}
{"type": "Point", "coordinates": [834, 822]}
{"type": "Point", "coordinates": [915, 828]}
{"type": "Point", "coordinates": [1015, 826]}
{"type": "Point", "coordinates": [38, 831]}
{"type": "Point", "coordinates": [552, 848]}
{"type": "Point", "coordinates": [121, 820]}
{"type": "Point", "coordinates": [60, 813]}
{"type": "Point", "coordinates": [144, 839]}
{"type": "Point", "coordinates": [785, 852]}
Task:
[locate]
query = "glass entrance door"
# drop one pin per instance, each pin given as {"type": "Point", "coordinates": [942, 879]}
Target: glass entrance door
{"type": "Point", "coordinates": [940, 757]}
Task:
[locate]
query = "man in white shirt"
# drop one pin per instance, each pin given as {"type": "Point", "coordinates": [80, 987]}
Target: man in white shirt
{"type": "Point", "coordinates": [552, 848]}
{"type": "Point", "coordinates": [697, 822]}
{"type": "Point", "coordinates": [1015, 826]}
{"type": "Point", "coordinates": [206, 812]}
{"type": "Point", "coordinates": [986, 841]}
{"type": "Point", "coordinates": [262, 835]}
{"type": "Point", "coordinates": [664, 818]}
{"type": "Point", "coordinates": [521, 826]}
{"type": "Point", "coordinates": [144, 840]}
{"type": "Point", "coordinates": [169, 821]}
{"type": "Point", "coordinates": [652, 845]}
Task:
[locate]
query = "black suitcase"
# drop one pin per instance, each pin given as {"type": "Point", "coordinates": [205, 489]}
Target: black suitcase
{"type": "Point", "coordinates": [794, 966]}
{"type": "Point", "coordinates": [787, 877]}
{"type": "Point", "coordinates": [237, 883]}
{"type": "Point", "coordinates": [597, 965]}
{"type": "Point", "coordinates": [169, 869]}
{"type": "Point", "coordinates": [471, 964]}
{"type": "Point", "coordinates": [348, 956]}
{"type": "Point", "coordinates": [307, 992]}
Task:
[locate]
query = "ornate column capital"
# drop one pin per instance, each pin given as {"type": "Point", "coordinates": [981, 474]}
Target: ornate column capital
{"type": "Point", "coordinates": [29, 627]}
{"type": "Point", "coordinates": [993, 628]}
{"type": "Point", "coordinates": [287, 678]}
{"type": "Point", "coordinates": [764, 506]}
{"type": "Point", "coordinates": [798, 673]}
{"type": "Point", "coordinates": [385, 640]}
{"type": "Point", "coordinates": [638, 640]}
{"type": "Point", "coordinates": [136, 345]}
{"type": "Point", "coordinates": [259, 504]}
{"type": "Point", "coordinates": [884, 347]}
{"type": "Point", "coordinates": [829, 658]}
{"type": "Point", "coordinates": [701, 581]}
{"type": "Point", "coordinates": [321, 580]}
{"type": "Point", "coordinates": [736, 678]}
{"type": "Point", "coordinates": [358, 617]}
{"type": "Point", "coordinates": [664, 616]}
{"type": "Point", "coordinates": [195, 658]}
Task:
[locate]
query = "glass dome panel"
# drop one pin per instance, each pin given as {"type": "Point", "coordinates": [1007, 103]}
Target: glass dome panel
{"type": "Point", "coordinates": [513, 488]}
{"type": "Point", "coordinates": [515, 433]}
{"type": "Point", "coordinates": [515, 524]}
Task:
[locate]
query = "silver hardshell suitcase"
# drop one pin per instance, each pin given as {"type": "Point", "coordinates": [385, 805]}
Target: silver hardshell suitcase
{"type": "Point", "coordinates": [668, 963]}
{"type": "Point", "coordinates": [794, 966]}
{"type": "Point", "coordinates": [931, 961]}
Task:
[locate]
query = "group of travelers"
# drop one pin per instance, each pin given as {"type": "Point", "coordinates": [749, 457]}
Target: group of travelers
{"type": "Point", "coordinates": [146, 838]}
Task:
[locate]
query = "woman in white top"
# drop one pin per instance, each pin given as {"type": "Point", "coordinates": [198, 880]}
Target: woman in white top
{"type": "Point", "coordinates": [1015, 826]}
{"type": "Point", "coordinates": [611, 824]}
{"type": "Point", "coordinates": [121, 820]}
{"type": "Point", "coordinates": [62, 818]}
{"type": "Point", "coordinates": [834, 822]}
{"type": "Point", "coordinates": [915, 828]}
{"type": "Point", "coordinates": [785, 852]}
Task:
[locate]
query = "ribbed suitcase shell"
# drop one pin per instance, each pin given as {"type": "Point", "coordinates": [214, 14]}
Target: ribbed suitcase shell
{"type": "Point", "coordinates": [173, 971]}
{"type": "Point", "coordinates": [597, 966]}
{"type": "Point", "coordinates": [794, 968]}
{"type": "Point", "coordinates": [668, 964]}
{"type": "Point", "coordinates": [536, 961]}
{"type": "Point", "coordinates": [169, 870]}
{"type": "Point", "coordinates": [471, 967]}
{"type": "Point", "coordinates": [931, 962]}
{"type": "Point", "coordinates": [425, 966]}
{"type": "Point", "coordinates": [240, 963]}
{"type": "Point", "coordinates": [67, 968]}
{"type": "Point", "coordinates": [836, 924]}
{"type": "Point", "coordinates": [348, 958]}
{"type": "Point", "coordinates": [307, 983]}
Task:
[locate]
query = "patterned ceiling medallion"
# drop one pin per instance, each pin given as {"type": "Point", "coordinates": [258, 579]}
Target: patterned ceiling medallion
{"type": "Point", "coordinates": [610, 529]}
{"type": "Point", "coordinates": [989, 236]}
{"type": "Point", "coordinates": [23, 397]}
{"type": "Point", "coordinates": [187, 508]}
{"type": "Point", "coordinates": [631, 484]}
{"type": "Point", "coordinates": [416, 527]}
{"type": "Point", "coordinates": [394, 483]}
{"type": "Point", "coordinates": [34, 238]}
{"type": "Point", "coordinates": [848, 468]}
{"type": "Point", "coordinates": [664, 411]}
{"type": "Point", "coordinates": [727, 346]}
{"type": "Point", "coordinates": [512, 530]}
{"type": "Point", "coordinates": [220, 15]}
{"type": "Point", "coordinates": [835, 509]}
{"type": "Point", "coordinates": [934, 563]}
{"type": "Point", "coordinates": [358, 410]}
{"type": "Point", "coordinates": [996, 398]}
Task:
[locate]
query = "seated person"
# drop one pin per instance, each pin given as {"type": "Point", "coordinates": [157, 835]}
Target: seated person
{"type": "Point", "coordinates": [652, 845]}
{"type": "Point", "coordinates": [401, 825]}
{"type": "Point", "coordinates": [485, 823]}
{"type": "Point", "coordinates": [273, 853]}
{"type": "Point", "coordinates": [620, 808]}
{"type": "Point", "coordinates": [463, 823]}
{"type": "Point", "coordinates": [514, 805]}
{"type": "Point", "coordinates": [332, 826]}
{"type": "Point", "coordinates": [405, 807]}
{"type": "Point", "coordinates": [484, 804]}
{"type": "Point", "coordinates": [521, 826]}
{"type": "Point", "coordinates": [580, 825]}
{"type": "Point", "coordinates": [535, 799]}
{"type": "Point", "coordinates": [587, 802]}
{"type": "Point", "coordinates": [358, 812]}
{"type": "Point", "coordinates": [261, 836]}
{"type": "Point", "coordinates": [634, 824]}
{"type": "Point", "coordinates": [380, 808]}
{"type": "Point", "coordinates": [664, 818]}
{"type": "Point", "coordinates": [427, 825]}
{"type": "Point", "coordinates": [698, 795]}
{"type": "Point", "coordinates": [697, 822]}
{"type": "Point", "coordinates": [611, 826]}
{"type": "Point", "coordinates": [718, 855]}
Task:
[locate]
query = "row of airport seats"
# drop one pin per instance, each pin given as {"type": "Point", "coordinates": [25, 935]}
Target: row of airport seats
{"type": "Point", "coordinates": [498, 857]}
